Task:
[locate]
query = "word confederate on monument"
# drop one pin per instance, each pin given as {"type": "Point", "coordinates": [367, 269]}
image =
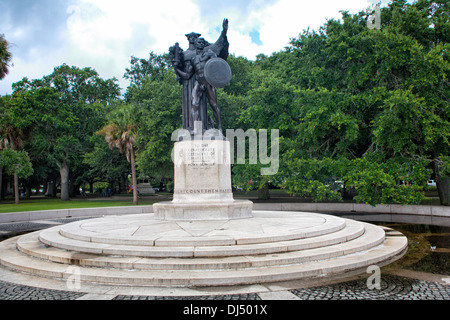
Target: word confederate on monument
{"type": "Point", "coordinates": [202, 164]}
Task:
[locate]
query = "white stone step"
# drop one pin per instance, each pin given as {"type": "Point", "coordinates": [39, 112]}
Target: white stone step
{"type": "Point", "coordinates": [53, 237]}
{"type": "Point", "coordinates": [144, 230]}
{"type": "Point", "coordinates": [373, 236]}
{"type": "Point", "coordinates": [12, 258]}
{"type": "Point", "coordinates": [136, 250]}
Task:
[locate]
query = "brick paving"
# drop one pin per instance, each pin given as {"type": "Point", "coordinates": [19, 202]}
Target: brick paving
{"type": "Point", "coordinates": [10, 291]}
{"type": "Point", "coordinates": [250, 296]}
{"type": "Point", "coordinates": [391, 288]}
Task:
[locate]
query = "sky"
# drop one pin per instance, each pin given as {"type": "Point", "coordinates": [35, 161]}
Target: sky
{"type": "Point", "coordinates": [104, 34]}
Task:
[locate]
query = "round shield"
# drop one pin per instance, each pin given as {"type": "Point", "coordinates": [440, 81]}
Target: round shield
{"type": "Point", "coordinates": [217, 72]}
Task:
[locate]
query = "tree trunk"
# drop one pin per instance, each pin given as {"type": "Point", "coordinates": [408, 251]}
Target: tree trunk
{"type": "Point", "coordinates": [45, 188]}
{"type": "Point", "coordinates": [51, 189]}
{"type": "Point", "coordinates": [443, 187]}
{"type": "Point", "coordinates": [442, 184]}
{"type": "Point", "coordinates": [64, 172]}
{"type": "Point", "coordinates": [134, 178]}
{"type": "Point", "coordinates": [124, 183]}
{"type": "Point", "coordinates": [28, 191]}
{"type": "Point", "coordinates": [263, 193]}
{"type": "Point", "coordinates": [1, 183]}
{"type": "Point", "coordinates": [16, 189]}
{"type": "Point", "coordinates": [74, 189]}
{"type": "Point", "coordinates": [38, 186]}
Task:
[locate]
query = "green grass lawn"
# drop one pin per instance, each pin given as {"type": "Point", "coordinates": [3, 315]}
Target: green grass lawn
{"type": "Point", "coordinates": [44, 203]}
{"type": "Point", "coordinates": [36, 204]}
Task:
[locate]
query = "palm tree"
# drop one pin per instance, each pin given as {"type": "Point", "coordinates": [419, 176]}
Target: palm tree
{"type": "Point", "coordinates": [5, 57]}
{"type": "Point", "coordinates": [121, 133]}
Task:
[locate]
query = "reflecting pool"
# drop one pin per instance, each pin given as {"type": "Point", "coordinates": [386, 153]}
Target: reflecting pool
{"type": "Point", "coordinates": [428, 240]}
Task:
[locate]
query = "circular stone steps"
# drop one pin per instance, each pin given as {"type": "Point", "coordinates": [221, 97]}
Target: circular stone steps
{"type": "Point", "coordinates": [331, 231]}
{"type": "Point", "coordinates": [264, 227]}
{"type": "Point", "coordinates": [138, 250]}
{"type": "Point", "coordinates": [297, 251]}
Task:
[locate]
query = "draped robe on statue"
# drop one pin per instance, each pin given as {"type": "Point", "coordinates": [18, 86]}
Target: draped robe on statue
{"type": "Point", "coordinates": [184, 61]}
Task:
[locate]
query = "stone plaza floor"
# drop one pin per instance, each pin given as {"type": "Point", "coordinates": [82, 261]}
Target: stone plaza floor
{"type": "Point", "coordinates": [392, 288]}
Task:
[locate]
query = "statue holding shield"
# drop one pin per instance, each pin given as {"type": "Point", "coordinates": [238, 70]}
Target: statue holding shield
{"type": "Point", "coordinates": [201, 69]}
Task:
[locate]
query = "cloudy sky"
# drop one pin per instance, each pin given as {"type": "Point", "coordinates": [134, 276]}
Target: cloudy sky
{"type": "Point", "coordinates": [104, 34]}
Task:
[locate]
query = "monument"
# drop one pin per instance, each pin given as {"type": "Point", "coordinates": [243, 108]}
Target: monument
{"type": "Point", "coordinates": [203, 237]}
{"type": "Point", "coordinates": [202, 164]}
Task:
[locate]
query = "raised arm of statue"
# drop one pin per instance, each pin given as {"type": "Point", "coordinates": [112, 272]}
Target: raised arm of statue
{"type": "Point", "coordinates": [220, 47]}
{"type": "Point", "coordinates": [223, 36]}
{"type": "Point", "coordinates": [225, 27]}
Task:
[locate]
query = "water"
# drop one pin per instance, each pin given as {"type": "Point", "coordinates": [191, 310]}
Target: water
{"type": "Point", "coordinates": [429, 247]}
{"type": "Point", "coordinates": [428, 240]}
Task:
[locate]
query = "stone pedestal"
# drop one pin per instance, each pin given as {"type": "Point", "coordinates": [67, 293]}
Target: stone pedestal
{"type": "Point", "coordinates": [202, 184]}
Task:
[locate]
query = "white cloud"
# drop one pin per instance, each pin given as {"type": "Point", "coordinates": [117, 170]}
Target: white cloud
{"type": "Point", "coordinates": [280, 21]}
{"type": "Point", "coordinates": [104, 34]}
{"type": "Point", "coordinates": [104, 28]}
{"type": "Point", "coordinates": [241, 45]}
{"type": "Point", "coordinates": [286, 19]}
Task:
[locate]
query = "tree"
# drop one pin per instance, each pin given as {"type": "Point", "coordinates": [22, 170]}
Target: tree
{"type": "Point", "coordinates": [154, 67]}
{"type": "Point", "coordinates": [366, 107]}
{"type": "Point", "coordinates": [157, 96]}
{"type": "Point", "coordinates": [269, 105]}
{"type": "Point", "coordinates": [5, 57]}
{"type": "Point", "coordinates": [16, 163]}
{"type": "Point", "coordinates": [105, 165]}
{"type": "Point", "coordinates": [242, 76]}
{"type": "Point", "coordinates": [120, 132]}
{"type": "Point", "coordinates": [15, 125]}
{"type": "Point", "coordinates": [69, 107]}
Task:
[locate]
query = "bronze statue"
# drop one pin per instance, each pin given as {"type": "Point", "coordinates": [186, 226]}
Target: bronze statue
{"type": "Point", "coordinates": [194, 67]}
